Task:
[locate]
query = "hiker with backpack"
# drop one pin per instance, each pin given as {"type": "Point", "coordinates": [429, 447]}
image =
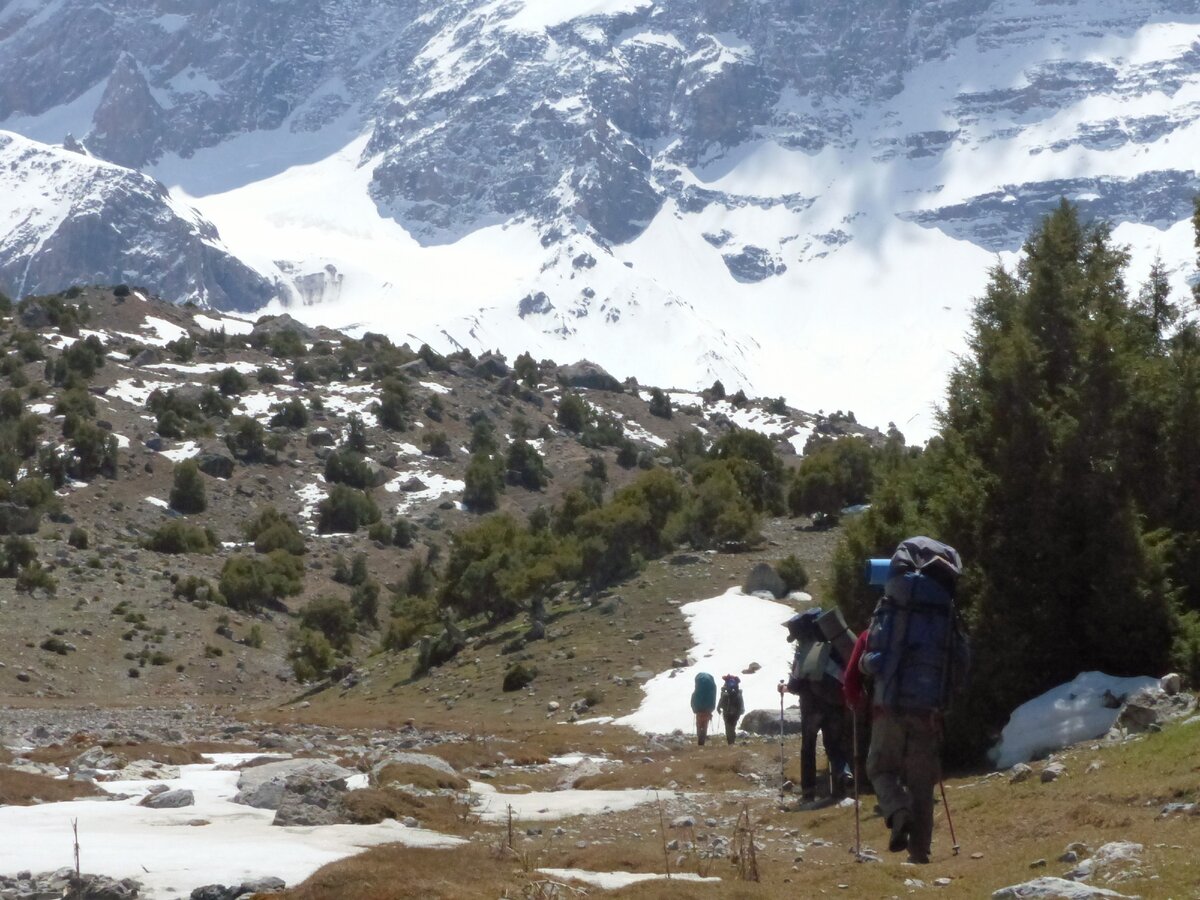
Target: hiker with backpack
{"type": "Point", "coordinates": [915, 655]}
{"type": "Point", "coordinates": [704, 701]}
{"type": "Point", "coordinates": [816, 678]}
{"type": "Point", "coordinates": [732, 705]}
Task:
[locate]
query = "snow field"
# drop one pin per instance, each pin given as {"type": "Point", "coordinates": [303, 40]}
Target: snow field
{"type": "Point", "coordinates": [731, 631]}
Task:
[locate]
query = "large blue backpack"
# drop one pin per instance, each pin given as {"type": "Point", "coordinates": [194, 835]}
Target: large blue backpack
{"type": "Point", "coordinates": [704, 696]}
{"type": "Point", "coordinates": [916, 650]}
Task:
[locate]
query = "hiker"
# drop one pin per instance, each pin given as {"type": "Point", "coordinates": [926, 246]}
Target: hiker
{"type": "Point", "coordinates": [704, 701]}
{"type": "Point", "coordinates": [816, 678]}
{"type": "Point", "coordinates": [732, 705]}
{"type": "Point", "coordinates": [915, 656]}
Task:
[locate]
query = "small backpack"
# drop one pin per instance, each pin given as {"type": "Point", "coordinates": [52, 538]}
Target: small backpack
{"type": "Point", "coordinates": [916, 649]}
{"type": "Point", "coordinates": [732, 704]}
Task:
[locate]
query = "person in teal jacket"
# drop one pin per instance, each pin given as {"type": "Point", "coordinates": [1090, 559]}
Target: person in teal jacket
{"type": "Point", "coordinates": [704, 701]}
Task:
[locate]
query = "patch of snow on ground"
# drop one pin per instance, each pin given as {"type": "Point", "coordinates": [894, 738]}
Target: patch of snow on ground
{"type": "Point", "coordinates": [133, 393]}
{"type": "Point", "coordinates": [435, 387]}
{"type": "Point", "coordinates": [435, 486]}
{"type": "Point", "coordinates": [122, 441]}
{"type": "Point", "coordinates": [258, 405]}
{"type": "Point", "coordinates": [159, 848]}
{"type": "Point", "coordinates": [345, 399]}
{"type": "Point", "coordinates": [184, 451]}
{"type": "Point", "coordinates": [1062, 716]}
{"type": "Point", "coordinates": [309, 496]}
{"type": "Point", "coordinates": [611, 881]}
{"type": "Point", "coordinates": [408, 449]}
{"type": "Point", "coordinates": [636, 432]}
{"type": "Point", "coordinates": [541, 806]}
{"type": "Point", "coordinates": [164, 331]}
{"type": "Point", "coordinates": [226, 324]}
{"type": "Point", "coordinates": [731, 631]}
{"type": "Point", "coordinates": [160, 503]}
{"type": "Point", "coordinates": [42, 409]}
{"type": "Point", "coordinates": [246, 368]}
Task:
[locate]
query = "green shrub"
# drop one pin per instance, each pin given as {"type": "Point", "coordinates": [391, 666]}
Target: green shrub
{"type": "Point", "coordinates": [436, 444]}
{"type": "Point", "coordinates": [345, 510]}
{"type": "Point", "coordinates": [180, 537]}
{"type": "Point", "coordinates": [293, 414]}
{"type": "Point", "coordinates": [412, 618]}
{"type": "Point", "coordinates": [660, 404]}
{"type": "Point", "coordinates": [187, 493]}
{"type": "Point", "coordinates": [483, 483]}
{"type": "Point", "coordinates": [35, 577]}
{"type": "Point", "coordinates": [56, 645]}
{"type": "Point", "coordinates": [333, 618]}
{"type": "Point", "coordinates": [254, 637]}
{"type": "Point", "coordinates": [230, 382]}
{"type": "Point", "coordinates": [271, 530]}
{"type": "Point", "coordinates": [251, 582]}
{"type": "Point", "coordinates": [793, 573]}
{"type": "Point", "coordinates": [78, 538]}
{"type": "Point", "coordinates": [525, 466]}
{"type": "Point", "coordinates": [518, 676]}
{"type": "Point", "coordinates": [573, 412]}
{"type": "Point", "coordinates": [395, 403]}
{"type": "Point", "coordinates": [267, 375]}
{"type": "Point", "coordinates": [246, 439]}
{"type": "Point", "coordinates": [349, 468]}
{"type": "Point", "coordinates": [404, 533]}
{"type": "Point", "coordinates": [310, 654]}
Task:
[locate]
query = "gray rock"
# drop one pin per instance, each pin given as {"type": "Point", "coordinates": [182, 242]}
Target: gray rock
{"type": "Point", "coordinates": [1018, 773]}
{"type": "Point", "coordinates": [96, 758]}
{"type": "Point", "coordinates": [321, 437]}
{"type": "Point", "coordinates": [263, 786]}
{"type": "Point", "coordinates": [266, 885]}
{"type": "Point", "coordinates": [1050, 888]}
{"type": "Point", "coordinates": [1171, 684]}
{"type": "Point", "coordinates": [169, 800]}
{"type": "Point", "coordinates": [763, 577]}
{"type": "Point", "coordinates": [766, 722]}
{"type": "Point", "coordinates": [216, 465]}
{"type": "Point", "coordinates": [1053, 772]}
{"type": "Point", "coordinates": [310, 801]}
{"type": "Point", "coordinates": [585, 374]}
{"type": "Point", "coordinates": [491, 365]}
{"type": "Point", "coordinates": [151, 356]}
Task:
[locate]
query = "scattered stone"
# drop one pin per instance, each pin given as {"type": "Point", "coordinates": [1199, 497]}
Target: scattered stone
{"type": "Point", "coordinates": [1172, 809]}
{"type": "Point", "coordinates": [943, 882]}
{"type": "Point", "coordinates": [766, 722]}
{"type": "Point", "coordinates": [310, 801]}
{"type": "Point", "coordinates": [1050, 888]}
{"type": "Point", "coordinates": [169, 800]}
{"type": "Point", "coordinates": [585, 374]}
{"type": "Point", "coordinates": [1171, 684]}
{"type": "Point", "coordinates": [215, 465]}
{"type": "Point", "coordinates": [764, 578]}
{"type": "Point", "coordinates": [1038, 864]}
{"type": "Point", "coordinates": [263, 786]}
{"type": "Point", "coordinates": [1053, 772]}
{"type": "Point", "coordinates": [683, 822]}
{"type": "Point", "coordinates": [1018, 773]}
{"type": "Point", "coordinates": [1117, 854]}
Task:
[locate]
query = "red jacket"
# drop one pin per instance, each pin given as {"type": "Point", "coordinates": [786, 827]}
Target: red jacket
{"type": "Point", "coordinates": [852, 685]}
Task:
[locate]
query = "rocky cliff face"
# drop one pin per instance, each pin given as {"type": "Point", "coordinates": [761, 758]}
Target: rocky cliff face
{"type": "Point", "coordinates": [787, 151]}
{"type": "Point", "coordinates": [68, 219]}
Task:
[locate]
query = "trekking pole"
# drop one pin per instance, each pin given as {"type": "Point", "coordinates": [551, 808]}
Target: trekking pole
{"type": "Point", "coordinates": [949, 821]}
{"type": "Point", "coordinates": [857, 814]}
{"type": "Point", "coordinates": [782, 777]}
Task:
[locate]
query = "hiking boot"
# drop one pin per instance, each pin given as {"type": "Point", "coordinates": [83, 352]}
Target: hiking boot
{"type": "Point", "coordinates": [808, 797]}
{"type": "Point", "coordinates": [917, 858]}
{"type": "Point", "coordinates": [901, 831]}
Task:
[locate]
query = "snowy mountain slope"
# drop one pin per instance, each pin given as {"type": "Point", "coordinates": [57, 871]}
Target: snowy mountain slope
{"type": "Point", "coordinates": [685, 189]}
{"type": "Point", "coordinates": [66, 218]}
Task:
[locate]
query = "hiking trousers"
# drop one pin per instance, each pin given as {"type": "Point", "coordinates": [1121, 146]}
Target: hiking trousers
{"type": "Point", "coordinates": [828, 719]}
{"type": "Point", "coordinates": [905, 765]}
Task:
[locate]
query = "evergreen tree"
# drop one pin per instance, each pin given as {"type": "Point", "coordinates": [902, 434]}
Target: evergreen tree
{"type": "Point", "coordinates": [187, 493]}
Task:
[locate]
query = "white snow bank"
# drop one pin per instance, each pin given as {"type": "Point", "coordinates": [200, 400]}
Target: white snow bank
{"type": "Point", "coordinates": [1062, 716]}
{"type": "Point", "coordinates": [540, 806]}
{"type": "Point", "coordinates": [224, 323]}
{"type": "Point", "coordinates": [164, 331]}
{"type": "Point", "coordinates": [159, 502]}
{"type": "Point", "coordinates": [611, 881]}
{"type": "Point", "coordinates": [186, 450]}
{"type": "Point", "coordinates": [731, 632]}
{"type": "Point", "coordinates": [171, 852]}
{"type": "Point", "coordinates": [436, 486]}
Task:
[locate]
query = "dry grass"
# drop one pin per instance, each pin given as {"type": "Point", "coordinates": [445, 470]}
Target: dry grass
{"type": "Point", "coordinates": [420, 777]}
{"type": "Point", "coordinates": [5, 756]}
{"type": "Point", "coordinates": [29, 789]}
{"type": "Point", "coordinates": [722, 768]}
{"type": "Point", "coordinates": [443, 813]}
{"type": "Point", "coordinates": [167, 754]}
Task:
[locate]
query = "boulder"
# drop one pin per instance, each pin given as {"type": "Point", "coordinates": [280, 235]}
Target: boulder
{"type": "Point", "coordinates": [321, 437]}
{"type": "Point", "coordinates": [1148, 708]}
{"type": "Point", "coordinates": [766, 721]}
{"type": "Point", "coordinates": [263, 786]}
{"type": "Point", "coordinates": [96, 758]}
{"type": "Point", "coordinates": [1018, 773]}
{"type": "Point", "coordinates": [216, 465]}
{"type": "Point", "coordinates": [1171, 684]}
{"type": "Point", "coordinates": [1050, 888]}
{"type": "Point", "coordinates": [272, 325]}
{"type": "Point", "coordinates": [1053, 772]}
{"type": "Point", "coordinates": [151, 356]}
{"type": "Point", "coordinates": [169, 800]}
{"type": "Point", "coordinates": [377, 475]}
{"type": "Point", "coordinates": [585, 374]}
{"type": "Point", "coordinates": [763, 577]}
{"type": "Point", "coordinates": [491, 365]}
{"type": "Point", "coordinates": [310, 801]}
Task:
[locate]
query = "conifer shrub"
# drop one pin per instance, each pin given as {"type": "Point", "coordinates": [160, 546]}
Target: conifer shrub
{"type": "Point", "coordinates": [249, 583]}
{"type": "Point", "coordinates": [36, 577]}
{"type": "Point", "coordinates": [436, 444]}
{"type": "Point", "coordinates": [482, 483]}
{"type": "Point", "coordinates": [793, 573]}
{"type": "Point", "coordinates": [345, 510]}
{"type": "Point", "coordinates": [181, 537]}
{"type": "Point", "coordinates": [310, 654]}
{"type": "Point", "coordinates": [188, 495]}
{"type": "Point", "coordinates": [230, 382]}
{"type": "Point", "coordinates": [660, 404]}
{"type": "Point", "coordinates": [519, 675]}
{"type": "Point", "coordinates": [246, 439]}
{"type": "Point", "coordinates": [573, 412]}
{"type": "Point", "coordinates": [78, 538]}
{"type": "Point", "coordinates": [525, 466]}
{"type": "Point", "coordinates": [333, 618]}
{"type": "Point", "coordinates": [349, 468]}
{"type": "Point", "coordinates": [291, 414]}
{"type": "Point", "coordinates": [271, 530]}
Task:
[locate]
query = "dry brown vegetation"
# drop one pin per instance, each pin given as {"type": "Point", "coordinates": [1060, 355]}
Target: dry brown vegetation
{"type": "Point", "coordinates": [420, 777]}
{"type": "Point", "coordinates": [28, 789]}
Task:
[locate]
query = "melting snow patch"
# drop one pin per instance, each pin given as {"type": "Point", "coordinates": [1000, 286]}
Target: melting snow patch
{"type": "Point", "coordinates": [160, 503]}
{"type": "Point", "coordinates": [164, 331]}
{"type": "Point", "coordinates": [731, 632]}
{"type": "Point", "coordinates": [540, 806]}
{"type": "Point", "coordinates": [435, 387]}
{"type": "Point", "coordinates": [309, 496]}
{"type": "Point", "coordinates": [170, 857]}
{"type": "Point", "coordinates": [345, 399]}
{"type": "Point", "coordinates": [226, 324]}
{"type": "Point", "coordinates": [611, 881]}
{"type": "Point", "coordinates": [122, 441]}
{"type": "Point", "coordinates": [136, 391]}
{"type": "Point", "coordinates": [435, 486]}
{"type": "Point", "coordinates": [183, 451]}
{"type": "Point", "coordinates": [258, 405]}
{"type": "Point", "coordinates": [1079, 710]}
{"type": "Point", "coordinates": [246, 368]}
{"type": "Point", "coordinates": [409, 449]}
{"type": "Point", "coordinates": [42, 409]}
